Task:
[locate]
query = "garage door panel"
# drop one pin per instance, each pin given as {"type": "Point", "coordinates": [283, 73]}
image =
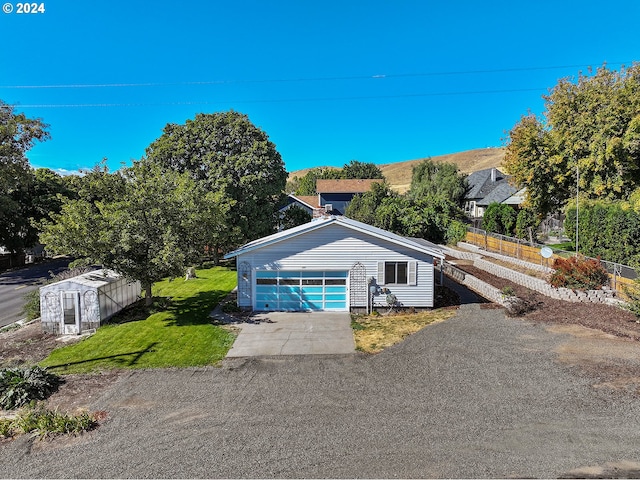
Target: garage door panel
{"type": "Point", "coordinates": [301, 290]}
{"type": "Point", "coordinates": [335, 305]}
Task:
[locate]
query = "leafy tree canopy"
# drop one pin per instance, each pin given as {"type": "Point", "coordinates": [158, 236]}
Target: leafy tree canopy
{"type": "Point", "coordinates": [355, 169]}
{"type": "Point", "coordinates": [306, 185]}
{"type": "Point", "coordinates": [499, 218]}
{"type": "Point", "coordinates": [592, 124]}
{"type": "Point", "coordinates": [294, 216]}
{"type": "Point", "coordinates": [224, 152]}
{"type": "Point", "coordinates": [158, 224]}
{"type": "Point", "coordinates": [20, 188]}
{"type": "Point", "coordinates": [438, 180]}
{"type": "Point", "coordinates": [17, 135]}
{"type": "Point", "coordinates": [426, 217]}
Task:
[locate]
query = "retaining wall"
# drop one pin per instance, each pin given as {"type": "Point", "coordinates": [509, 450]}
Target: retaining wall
{"type": "Point", "coordinates": [606, 295]}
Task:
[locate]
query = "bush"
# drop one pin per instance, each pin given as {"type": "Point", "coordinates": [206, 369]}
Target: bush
{"type": "Point", "coordinates": [526, 224]}
{"type": "Point", "coordinates": [633, 294]}
{"type": "Point", "coordinates": [47, 422]}
{"type": "Point", "coordinates": [31, 308]}
{"type": "Point", "coordinates": [19, 386]}
{"type": "Point", "coordinates": [579, 273]}
{"type": "Point", "coordinates": [508, 291]}
{"type": "Point", "coordinates": [456, 232]}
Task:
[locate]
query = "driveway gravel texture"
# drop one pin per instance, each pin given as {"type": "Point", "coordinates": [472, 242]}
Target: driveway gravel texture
{"type": "Point", "coordinates": [479, 395]}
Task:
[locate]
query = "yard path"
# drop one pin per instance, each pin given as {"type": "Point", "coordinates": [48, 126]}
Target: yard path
{"type": "Point", "coordinates": [479, 395]}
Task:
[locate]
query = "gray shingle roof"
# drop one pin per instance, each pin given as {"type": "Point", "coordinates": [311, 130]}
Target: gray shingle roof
{"type": "Point", "coordinates": [484, 190]}
{"type": "Point", "coordinates": [499, 194]}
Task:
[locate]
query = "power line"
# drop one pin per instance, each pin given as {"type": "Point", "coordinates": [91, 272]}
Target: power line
{"type": "Point", "coordinates": [283, 100]}
{"type": "Point", "coordinates": [303, 79]}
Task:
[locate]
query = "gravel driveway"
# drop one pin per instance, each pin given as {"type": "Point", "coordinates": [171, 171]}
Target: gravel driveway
{"type": "Point", "coordinates": [479, 395]}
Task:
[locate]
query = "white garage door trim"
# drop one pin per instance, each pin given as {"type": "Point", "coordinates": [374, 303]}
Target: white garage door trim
{"type": "Point", "coordinates": [301, 290]}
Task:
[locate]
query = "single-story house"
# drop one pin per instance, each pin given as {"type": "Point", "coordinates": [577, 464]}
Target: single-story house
{"type": "Point", "coordinates": [334, 263]}
{"type": "Point", "coordinates": [85, 302]}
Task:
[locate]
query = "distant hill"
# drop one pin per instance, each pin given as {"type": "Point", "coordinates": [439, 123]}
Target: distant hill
{"type": "Point", "coordinates": [398, 174]}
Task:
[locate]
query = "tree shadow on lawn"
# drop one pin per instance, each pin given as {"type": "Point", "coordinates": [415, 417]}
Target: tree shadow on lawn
{"type": "Point", "coordinates": [139, 311]}
{"type": "Point", "coordinates": [195, 310]}
{"type": "Point", "coordinates": [124, 360]}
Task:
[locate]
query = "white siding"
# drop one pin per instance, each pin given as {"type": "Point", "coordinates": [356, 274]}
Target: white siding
{"type": "Point", "coordinates": [108, 297]}
{"type": "Point", "coordinates": [335, 247]}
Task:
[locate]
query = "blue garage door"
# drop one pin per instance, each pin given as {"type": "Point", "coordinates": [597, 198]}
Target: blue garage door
{"type": "Point", "coordinates": [301, 290]}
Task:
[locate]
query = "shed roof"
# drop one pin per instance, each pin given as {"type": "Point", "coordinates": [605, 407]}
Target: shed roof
{"type": "Point", "coordinates": [346, 185]}
{"type": "Point", "coordinates": [323, 222]}
{"type": "Point", "coordinates": [94, 279]}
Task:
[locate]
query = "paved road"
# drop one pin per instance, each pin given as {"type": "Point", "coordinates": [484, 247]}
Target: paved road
{"type": "Point", "coordinates": [479, 395]}
{"type": "Point", "coordinates": [15, 284]}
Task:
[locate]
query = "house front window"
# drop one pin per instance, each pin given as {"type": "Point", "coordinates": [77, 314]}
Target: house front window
{"type": "Point", "coordinates": [395, 273]}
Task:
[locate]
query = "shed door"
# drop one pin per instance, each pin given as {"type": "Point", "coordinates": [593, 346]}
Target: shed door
{"type": "Point", "coordinates": [70, 313]}
{"type": "Point", "coordinates": [301, 290]}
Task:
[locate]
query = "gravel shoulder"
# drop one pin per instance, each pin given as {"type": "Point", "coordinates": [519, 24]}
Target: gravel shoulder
{"type": "Point", "coordinates": [480, 395]}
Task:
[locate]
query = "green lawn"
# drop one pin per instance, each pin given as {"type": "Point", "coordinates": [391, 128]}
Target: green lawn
{"type": "Point", "coordinates": [175, 332]}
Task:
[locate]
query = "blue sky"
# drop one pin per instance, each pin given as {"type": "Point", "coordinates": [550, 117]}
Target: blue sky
{"type": "Point", "coordinates": [330, 81]}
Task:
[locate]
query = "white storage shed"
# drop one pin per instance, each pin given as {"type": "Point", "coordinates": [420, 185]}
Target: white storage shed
{"type": "Point", "coordinates": [85, 302]}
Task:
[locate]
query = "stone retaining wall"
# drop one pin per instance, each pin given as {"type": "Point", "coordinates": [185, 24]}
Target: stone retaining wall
{"type": "Point", "coordinates": [606, 295]}
{"type": "Point", "coordinates": [515, 261]}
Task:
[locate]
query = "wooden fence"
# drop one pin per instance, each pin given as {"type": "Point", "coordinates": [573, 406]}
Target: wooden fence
{"type": "Point", "coordinates": [522, 250]}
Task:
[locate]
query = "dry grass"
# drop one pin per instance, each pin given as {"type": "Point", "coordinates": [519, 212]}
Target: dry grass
{"type": "Point", "coordinates": [398, 174]}
{"type": "Point", "coordinates": [374, 333]}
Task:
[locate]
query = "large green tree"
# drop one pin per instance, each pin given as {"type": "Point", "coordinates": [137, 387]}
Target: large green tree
{"type": "Point", "coordinates": [438, 179]}
{"type": "Point", "coordinates": [226, 153]}
{"type": "Point", "coordinates": [590, 125]}
{"type": "Point", "coordinates": [145, 222]}
{"type": "Point", "coordinates": [17, 135]}
{"type": "Point", "coordinates": [356, 169]}
{"type": "Point", "coordinates": [306, 185]}
{"type": "Point", "coordinates": [428, 216]}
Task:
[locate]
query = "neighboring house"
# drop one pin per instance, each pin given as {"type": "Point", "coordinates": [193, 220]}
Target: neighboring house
{"type": "Point", "coordinates": [309, 203]}
{"type": "Point", "coordinates": [330, 264]}
{"type": "Point", "coordinates": [489, 186]}
{"type": "Point", "coordinates": [85, 302]}
{"type": "Point", "coordinates": [335, 195]}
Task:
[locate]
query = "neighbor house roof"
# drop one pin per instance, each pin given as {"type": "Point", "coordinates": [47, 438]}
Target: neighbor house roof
{"type": "Point", "coordinates": [499, 194]}
{"type": "Point", "coordinates": [310, 200]}
{"type": "Point", "coordinates": [323, 222]}
{"type": "Point", "coordinates": [481, 182]}
{"type": "Point", "coordinates": [346, 185]}
{"type": "Point", "coordinates": [517, 198]}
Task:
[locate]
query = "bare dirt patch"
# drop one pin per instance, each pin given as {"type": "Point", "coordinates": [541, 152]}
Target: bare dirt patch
{"type": "Point", "coordinates": [602, 340]}
{"type": "Point", "coordinates": [29, 344]}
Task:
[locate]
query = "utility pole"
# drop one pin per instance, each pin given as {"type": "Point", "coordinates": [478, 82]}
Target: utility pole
{"type": "Point", "coordinates": [577, 200]}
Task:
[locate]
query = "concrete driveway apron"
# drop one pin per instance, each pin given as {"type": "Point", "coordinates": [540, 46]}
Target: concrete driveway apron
{"type": "Point", "coordinates": [295, 333]}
